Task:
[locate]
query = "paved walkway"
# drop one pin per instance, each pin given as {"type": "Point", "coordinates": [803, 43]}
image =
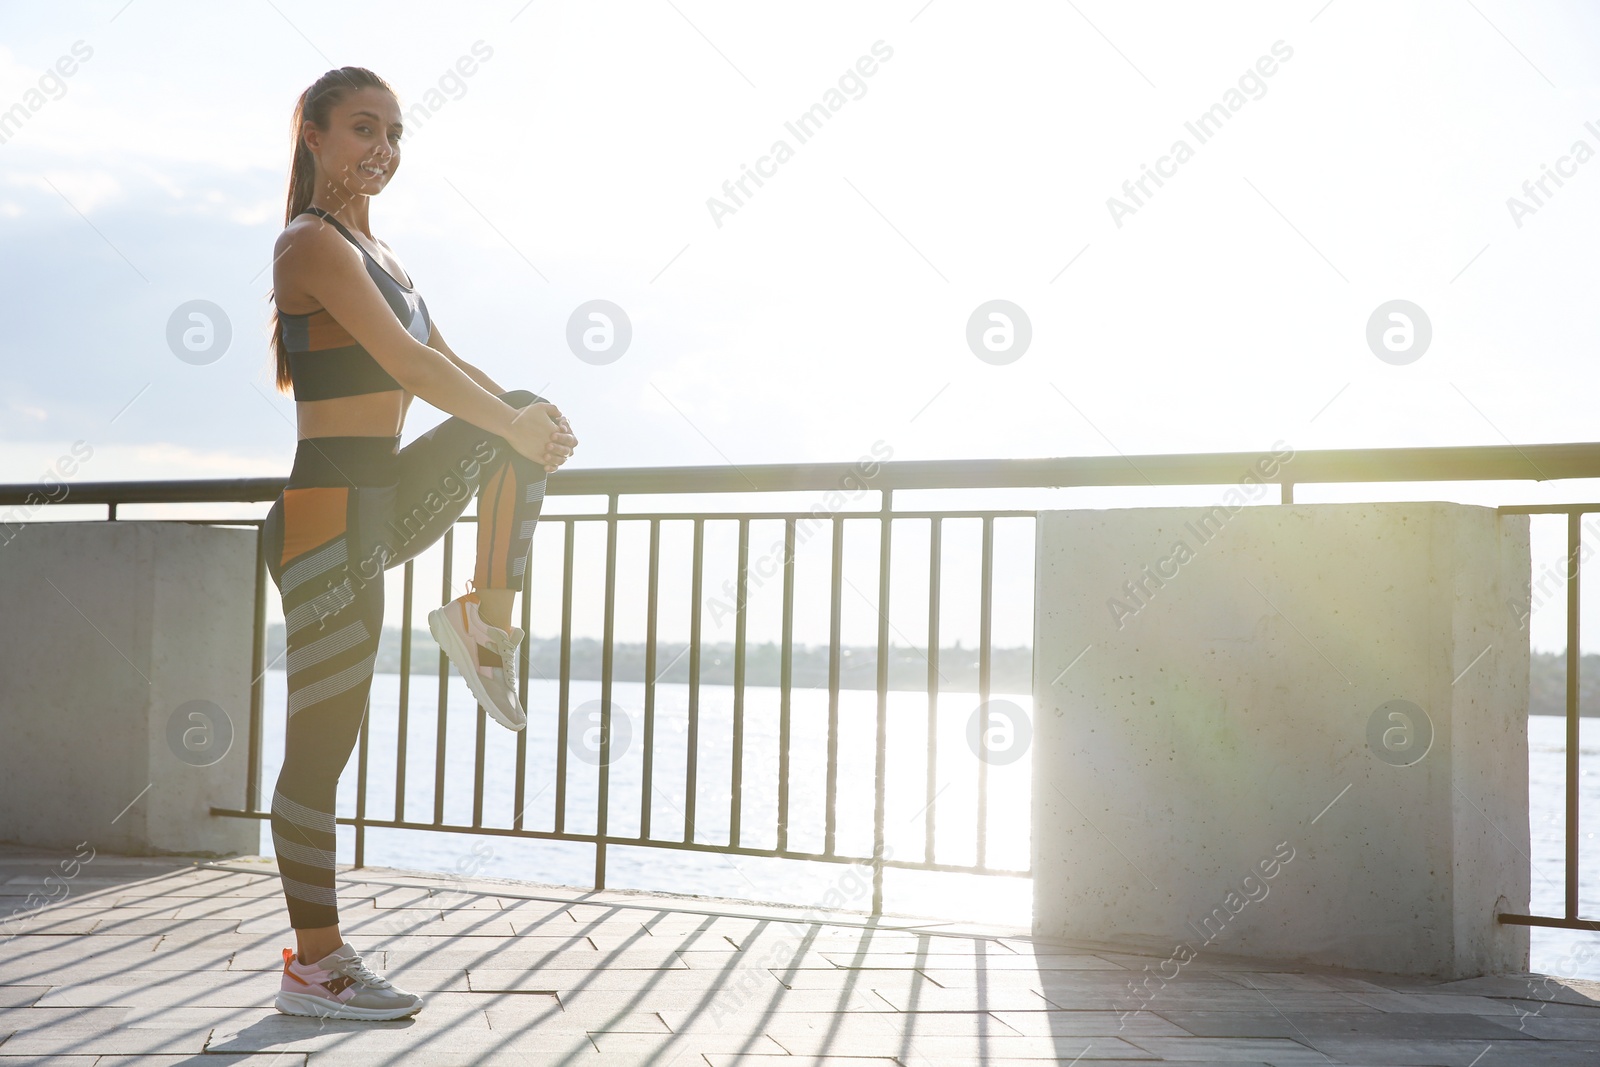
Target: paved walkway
{"type": "Point", "coordinates": [176, 962]}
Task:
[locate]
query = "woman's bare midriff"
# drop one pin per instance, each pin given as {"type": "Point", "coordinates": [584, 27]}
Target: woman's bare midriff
{"type": "Point", "coordinates": [367, 415]}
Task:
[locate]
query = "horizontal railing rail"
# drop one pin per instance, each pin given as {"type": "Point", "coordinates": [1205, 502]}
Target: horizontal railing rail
{"type": "Point", "coordinates": [1541, 462]}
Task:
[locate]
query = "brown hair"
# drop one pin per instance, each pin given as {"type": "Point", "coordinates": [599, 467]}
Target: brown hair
{"type": "Point", "coordinates": [315, 105]}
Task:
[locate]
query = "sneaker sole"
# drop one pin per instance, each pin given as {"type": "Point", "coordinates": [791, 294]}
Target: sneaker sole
{"type": "Point", "coordinates": [450, 640]}
{"type": "Point", "coordinates": [321, 1007]}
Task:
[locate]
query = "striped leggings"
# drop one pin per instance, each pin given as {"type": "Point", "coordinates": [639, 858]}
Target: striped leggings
{"type": "Point", "coordinates": [352, 508]}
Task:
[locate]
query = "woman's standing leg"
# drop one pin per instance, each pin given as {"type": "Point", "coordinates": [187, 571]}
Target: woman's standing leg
{"type": "Point", "coordinates": [332, 623]}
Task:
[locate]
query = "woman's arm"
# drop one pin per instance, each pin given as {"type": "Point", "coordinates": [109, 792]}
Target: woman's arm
{"type": "Point", "coordinates": [436, 342]}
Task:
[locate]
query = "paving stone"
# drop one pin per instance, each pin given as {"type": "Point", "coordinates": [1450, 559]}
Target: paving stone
{"type": "Point", "coordinates": [1439, 1003]}
{"type": "Point", "coordinates": [1473, 1053]}
{"type": "Point", "coordinates": [1532, 986]}
{"type": "Point", "coordinates": [37, 946]}
{"type": "Point", "coordinates": [1174, 998]}
{"type": "Point", "coordinates": [1303, 1025]}
{"type": "Point", "coordinates": [222, 991]}
{"type": "Point", "coordinates": [733, 959]}
{"type": "Point", "coordinates": [543, 979]}
{"type": "Point", "coordinates": [689, 1009]}
{"type": "Point", "coordinates": [1273, 981]}
{"type": "Point", "coordinates": [932, 998]}
{"type": "Point", "coordinates": [669, 1048]}
{"type": "Point", "coordinates": [880, 1023]}
{"type": "Point", "coordinates": [1553, 1009]}
{"type": "Point", "coordinates": [400, 897]}
{"type": "Point", "coordinates": [20, 996]}
{"type": "Point", "coordinates": [720, 1059]}
{"type": "Point", "coordinates": [151, 904]}
{"type": "Point", "coordinates": [184, 929]}
{"type": "Point", "coordinates": [935, 1049]}
{"type": "Point", "coordinates": [948, 961]}
{"type": "Point", "coordinates": [492, 1051]}
{"type": "Point", "coordinates": [273, 1031]}
{"type": "Point", "coordinates": [503, 943]}
{"type": "Point", "coordinates": [507, 958]}
{"type": "Point", "coordinates": [38, 1019]}
{"type": "Point", "coordinates": [532, 910]}
{"type": "Point", "coordinates": [1280, 1052]}
{"type": "Point", "coordinates": [110, 1042]}
{"type": "Point", "coordinates": [1550, 1029]}
{"type": "Point", "coordinates": [247, 1059]}
{"type": "Point", "coordinates": [469, 1054]}
{"type": "Point", "coordinates": [1131, 1024]}
{"type": "Point", "coordinates": [843, 978]}
{"type": "Point", "coordinates": [60, 920]}
{"type": "Point", "coordinates": [557, 1021]}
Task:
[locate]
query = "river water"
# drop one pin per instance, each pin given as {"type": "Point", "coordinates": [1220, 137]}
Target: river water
{"type": "Point", "coordinates": [1006, 900]}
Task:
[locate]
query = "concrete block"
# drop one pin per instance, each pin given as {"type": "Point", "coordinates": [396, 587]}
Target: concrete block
{"type": "Point", "coordinates": [1297, 733]}
{"type": "Point", "coordinates": [125, 659]}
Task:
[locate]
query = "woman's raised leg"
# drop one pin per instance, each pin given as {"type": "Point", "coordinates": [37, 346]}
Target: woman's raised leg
{"type": "Point", "coordinates": [444, 467]}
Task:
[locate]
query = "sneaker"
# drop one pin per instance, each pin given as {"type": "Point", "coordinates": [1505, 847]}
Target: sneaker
{"type": "Point", "coordinates": [484, 655]}
{"type": "Point", "coordinates": [340, 986]}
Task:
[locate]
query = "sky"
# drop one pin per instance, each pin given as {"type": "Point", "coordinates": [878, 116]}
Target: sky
{"type": "Point", "coordinates": [1369, 153]}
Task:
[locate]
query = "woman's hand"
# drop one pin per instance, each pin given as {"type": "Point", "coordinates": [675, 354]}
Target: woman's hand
{"type": "Point", "coordinates": [566, 439]}
{"type": "Point", "coordinates": [541, 433]}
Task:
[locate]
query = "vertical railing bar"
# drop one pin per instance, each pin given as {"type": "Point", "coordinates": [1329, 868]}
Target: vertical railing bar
{"type": "Point", "coordinates": [477, 765]}
{"type": "Point", "coordinates": [1574, 536]}
{"type": "Point", "coordinates": [478, 754]}
{"type": "Point", "coordinates": [879, 768]}
{"type": "Point", "coordinates": [520, 789]}
{"type": "Point", "coordinates": [650, 680]}
{"type": "Point", "coordinates": [984, 615]}
{"type": "Point", "coordinates": [258, 656]}
{"type": "Point", "coordinates": [736, 793]}
{"type": "Point", "coordinates": [563, 726]}
{"type": "Point", "coordinates": [691, 785]}
{"type": "Point", "coordinates": [934, 564]}
{"type": "Point", "coordinates": [785, 684]}
{"type": "Point", "coordinates": [603, 801]}
{"type": "Point", "coordinates": [444, 686]}
{"type": "Point", "coordinates": [832, 788]}
{"type": "Point", "coordinates": [403, 723]}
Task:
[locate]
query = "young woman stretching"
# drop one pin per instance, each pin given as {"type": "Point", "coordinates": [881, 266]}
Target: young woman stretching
{"type": "Point", "coordinates": [357, 343]}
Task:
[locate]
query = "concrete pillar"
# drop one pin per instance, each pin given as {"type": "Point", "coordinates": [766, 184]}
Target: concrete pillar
{"type": "Point", "coordinates": [125, 686]}
{"type": "Point", "coordinates": [1293, 732]}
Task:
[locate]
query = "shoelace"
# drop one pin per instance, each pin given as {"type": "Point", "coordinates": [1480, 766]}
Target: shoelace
{"type": "Point", "coordinates": [508, 656]}
{"type": "Point", "coordinates": [355, 968]}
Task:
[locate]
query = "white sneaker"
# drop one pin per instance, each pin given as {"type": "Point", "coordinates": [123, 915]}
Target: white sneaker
{"type": "Point", "coordinates": [340, 986]}
{"type": "Point", "coordinates": [484, 655]}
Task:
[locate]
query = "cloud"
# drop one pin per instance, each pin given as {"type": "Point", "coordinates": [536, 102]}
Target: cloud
{"type": "Point", "coordinates": [85, 189]}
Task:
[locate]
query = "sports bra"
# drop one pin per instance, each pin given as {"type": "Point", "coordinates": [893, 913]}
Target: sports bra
{"type": "Point", "coordinates": [324, 360]}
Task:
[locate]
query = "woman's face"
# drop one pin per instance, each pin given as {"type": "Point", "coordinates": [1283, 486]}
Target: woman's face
{"type": "Point", "coordinates": [359, 152]}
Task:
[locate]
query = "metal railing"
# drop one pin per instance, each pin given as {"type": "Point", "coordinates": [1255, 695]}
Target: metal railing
{"type": "Point", "coordinates": [1489, 463]}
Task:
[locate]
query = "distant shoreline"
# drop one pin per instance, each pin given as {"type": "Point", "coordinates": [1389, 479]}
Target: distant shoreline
{"type": "Point", "coordinates": [1010, 668]}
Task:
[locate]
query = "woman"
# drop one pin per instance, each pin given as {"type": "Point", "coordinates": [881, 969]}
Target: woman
{"type": "Point", "coordinates": [357, 343]}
